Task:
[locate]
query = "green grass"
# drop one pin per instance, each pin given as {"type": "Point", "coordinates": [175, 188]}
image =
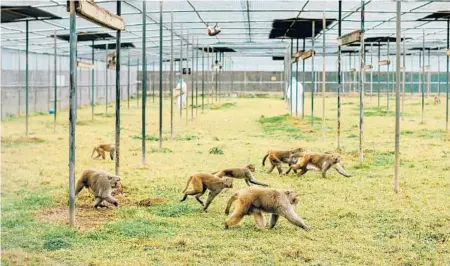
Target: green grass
{"type": "Point", "coordinates": [354, 221]}
{"type": "Point", "coordinates": [216, 150]}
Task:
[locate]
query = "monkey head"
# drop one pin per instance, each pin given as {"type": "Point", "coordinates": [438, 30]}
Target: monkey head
{"type": "Point", "coordinates": [292, 196]}
{"type": "Point", "coordinates": [251, 167]}
{"type": "Point", "coordinates": [114, 181]}
{"type": "Point", "coordinates": [335, 157]}
{"type": "Point", "coordinates": [228, 182]}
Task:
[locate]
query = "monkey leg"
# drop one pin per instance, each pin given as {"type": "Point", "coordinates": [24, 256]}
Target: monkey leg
{"type": "Point", "coordinates": [238, 214]}
{"type": "Point", "coordinates": [280, 170]}
{"type": "Point", "coordinates": [190, 193]}
{"type": "Point", "coordinates": [273, 220]}
{"type": "Point", "coordinates": [112, 200]}
{"type": "Point", "coordinates": [96, 202]}
{"type": "Point", "coordinates": [211, 196]}
{"type": "Point", "coordinates": [272, 166]}
{"type": "Point", "coordinates": [259, 220]}
{"type": "Point", "coordinates": [103, 154]}
{"type": "Point", "coordinates": [230, 201]}
{"type": "Point", "coordinates": [197, 197]}
{"type": "Point", "coordinates": [341, 170]}
{"type": "Point", "coordinates": [111, 155]}
{"type": "Point", "coordinates": [98, 153]}
{"type": "Point", "coordinates": [293, 218]}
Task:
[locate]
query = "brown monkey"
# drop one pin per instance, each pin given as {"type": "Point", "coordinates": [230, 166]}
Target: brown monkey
{"type": "Point", "coordinates": [102, 148]}
{"type": "Point", "coordinates": [100, 184]}
{"type": "Point", "coordinates": [213, 31]}
{"type": "Point", "coordinates": [437, 100]}
{"type": "Point", "coordinates": [201, 182]}
{"type": "Point", "coordinates": [255, 200]}
{"type": "Point", "coordinates": [242, 173]}
{"type": "Point", "coordinates": [319, 162]}
{"type": "Point", "coordinates": [276, 158]}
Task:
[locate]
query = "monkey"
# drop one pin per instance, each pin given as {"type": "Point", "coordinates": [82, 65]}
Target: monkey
{"type": "Point", "coordinates": [437, 100]}
{"type": "Point", "coordinates": [100, 184]}
{"type": "Point", "coordinates": [276, 158]}
{"type": "Point", "coordinates": [102, 148]}
{"type": "Point", "coordinates": [203, 181]}
{"type": "Point", "coordinates": [244, 172]}
{"type": "Point", "coordinates": [255, 200]}
{"type": "Point", "coordinates": [213, 31]}
{"type": "Point", "coordinates": [319, 162]}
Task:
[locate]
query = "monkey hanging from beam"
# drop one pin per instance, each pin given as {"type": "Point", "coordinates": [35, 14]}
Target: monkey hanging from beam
{"type": "Point", "coordinates": [319, 162]}
{"type": "Point", "coordinates": [276, 158]}
{"type": "Point", "coordinates": [201, 182]}
{"type": "Point", "coordinates": [241, 173]}
{"type": "Point", "coordinates": [255, 200]}
{"type": "Point", "coordinates": [102, 148]}
{"type": "Point", "coordinates": [213, 31]}
{"type": "Point", "coordinates": [100, 184]}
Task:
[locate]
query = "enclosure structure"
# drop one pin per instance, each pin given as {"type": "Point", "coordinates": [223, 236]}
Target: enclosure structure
{"type": "Point", "coordinates": [253, 56]}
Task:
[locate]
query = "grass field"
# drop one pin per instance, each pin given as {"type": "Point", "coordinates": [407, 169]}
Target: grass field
{"type": "Point", "coordinates": [354, 221]}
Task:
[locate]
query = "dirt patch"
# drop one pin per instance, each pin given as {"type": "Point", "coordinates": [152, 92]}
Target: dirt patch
{"type": "Point", "coordinates": [150, 201]}
{"type": "Point", "coordinates": [86, 217]}
{"type": "Point", "coordinates": [21, 140]}
{"type": "Point", "coordinates": [16, 257]}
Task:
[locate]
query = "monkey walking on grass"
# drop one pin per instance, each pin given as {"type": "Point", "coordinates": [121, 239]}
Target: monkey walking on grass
{"type": "Point", "coordinates": [276, 158]}
{"type": "Point", "coordinates": [256, 200]}
{"type": "Point", "coordinates": [201, 182]}
{"type": "Point", "coordinates": [102, 148]}
{"type": "Point", "coordinates": [241, 173]}
{"type": "Point", "coordinates": [100, 184]}
{"type": "Point", "coordinates": [319, 162]}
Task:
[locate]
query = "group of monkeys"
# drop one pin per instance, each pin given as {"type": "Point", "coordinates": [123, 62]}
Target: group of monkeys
{"type": "Point", "coordinates": [253, 200]}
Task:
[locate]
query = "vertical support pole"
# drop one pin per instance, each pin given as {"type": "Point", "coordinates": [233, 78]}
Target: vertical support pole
{"type": "Point", "coordinates": [203, 79]}
{"type": "Point", "coordinates": [144, 77]}
{"type": "Point", "coordinates": [290, 76]}
{"type": "Point", "coordinates": [181, 72]}
{"type": "Point", "coordinates": [397, 98]}
{"type": "Point", "coordinates": [128, 80]}
{"type": "Point", "coordinates": [209, 86]}
{"type": "Point", "coordinates": [152, 78]}
{"type": "Point", "coordinates": [137, 85]}
{"type": "Point", "coordinates": [387, 79]}
{"type": "Point", "coordinates": [412, 75]}
{"type": "Point", "coordinates": [303, 82]}
{"type": "Point", "coordinates": [26, 76]}
{"type": "Point", "coordinates": [187, 73]}
{"type": "Point", "coordinates": [55, 93]}
{"type": "Point", "coordinates": [419, 85]}
{"type": "Point", "coordinates": [324, 23]}
{"type": "Point", "coordinates": [361, 86]}
{"type": "Point", "coordinates": [296, 84]}
{"type": "Point", "coordinates": [339, 80]}
{"type": "Point", "coordinates": [371, 71]}
{"type": "Point", "coordinates": [106, 79]}
{"type": "Point", "coordinates": [196, 79]}
{"type": "Point", "coordinates": [160, 72]}
{"type": "Point", "coordinates": [171, 75]}
{"type": "Point", "coordinates": [117, 157]}
{"type": "Point", "coordinates": [92, 81]}
{"type": "Point", "coordinates": [378, 76]}
{"type": "Point", "coordinates": [403, 76]}
{"type": "Point", "coordinates": [215, 68]}
{"type": "Point", "coordinates": [423, 74]}
{"type": "Point", "coordinates": [428, 75]}
{"type": "Point", "coordinates": [192, 79]}
{"type": "Point", "coordinates": [448, 76]}
{"type": "Point", "coordinates": [313, 82]}
{"type": "Point", "coordinates": [439, 71]}
{"type": "Point", "coordinates": [72, 110]}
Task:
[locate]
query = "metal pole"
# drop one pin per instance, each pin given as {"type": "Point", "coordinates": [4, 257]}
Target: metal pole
{"type": "Point", "coordinates": [26, 76]}
{"type": "Point", "coordinates": [428, 75]}
{"type": "Point", "coordinates": [137, 85]}
{"type": "Point", "coordinates": [378, 76]}
{"type": "Point", "coordinates": [371, 71]}
{"type": "Point", "coordinates": [361, 87]}
{"type": "Point", "coordinates": [171, 75]}
{"type": "Point", "coordinates": [313, 84]}
{"type": "Point", "coordinates": [92, 81]}
{"type": "Point", "coordinates": [187, 73]}
{"type": "Point", "coordinates": [128, 85]}
{"type": "Point", "coordinates": [152, 78]}
{"type": "Point", "coordinates": [144, 77]}
{"type": "Point", "coordinates": [118, 3]}
{"type": "Point", "coordinates": [215, 73]}
{"type": "Point", "coordinates": [296, 85]}
{"type": "Point", "coordinates": [397, 98]}
{"type": "Point", "coordinates": [160, 72]}
{"type": "Point", "coordinates": [72, 110]}
{"type": "Point", "coordinates": [324, 23]}
{"type": "Point", "coordinates": [181, 72]}
{"type": "Point", "coordinates": [196, 79]}
{"type": "Point", "coordinates": [439, 72]}
{"type": "Point", "coordinates": [203, 79]}
{"type": "Point", "coordinates": [423, 73]}
{"type": "Point", "coordinates": [55, 96]}
{"type": "Point", "coordinates": [303, 82]}
{"type": "Point", "coordinates": [106, 79]}
{"type": "Point", "coordinates": [411, 76]}
{"type": "Point", "coordinates": [339, 80]}
{"type": "Point", "coordinates": [192, 79]}
{"type": "Point", "coordinates": [404, 77]}
{"type": "Point", "coordinates": [290, 78]}
{"type": "Point", "coordinates": [387, 80]}
{"type": "Point", "coordinates": [448, 75]}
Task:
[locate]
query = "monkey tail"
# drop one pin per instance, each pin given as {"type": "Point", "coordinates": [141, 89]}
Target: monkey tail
{"type": "Point", "coordinates": [264, 159]}
{"type": "Point", "coordinates": [187, 185]}
{"type": "Point", "coordinates": [230, 201]}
